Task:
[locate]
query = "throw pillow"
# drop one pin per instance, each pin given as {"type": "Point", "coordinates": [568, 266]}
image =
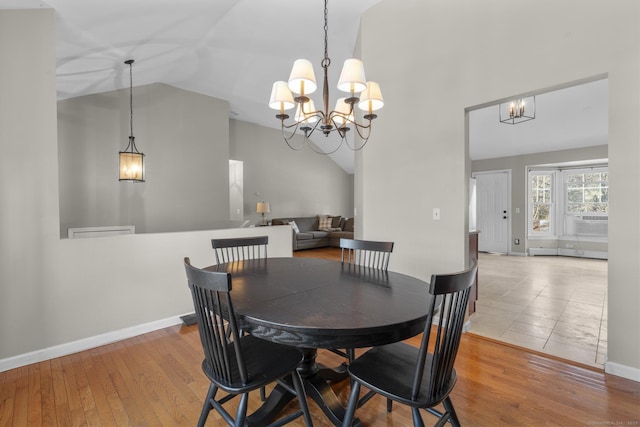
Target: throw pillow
{"type": "Point", "coordinates": [294, 226]}
{"type": "Point", "coordinates": [324, 224]}
{"type": "Point", "coordinates": [348, 226]}
{"type": "Point", "coordinates": [335, 221]}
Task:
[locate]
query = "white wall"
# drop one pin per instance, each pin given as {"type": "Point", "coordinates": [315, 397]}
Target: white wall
{"type": "Point", "coordinates": [433, 59]}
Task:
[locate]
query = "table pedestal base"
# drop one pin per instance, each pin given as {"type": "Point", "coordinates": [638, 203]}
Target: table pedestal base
{"type": "Point", "coordinates": [315, 379]}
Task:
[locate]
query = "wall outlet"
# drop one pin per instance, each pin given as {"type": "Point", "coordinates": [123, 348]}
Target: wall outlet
{"type": "Point", "coordinates": [436, 213]}
{"type": "Point", "coordinates": [516, 241]}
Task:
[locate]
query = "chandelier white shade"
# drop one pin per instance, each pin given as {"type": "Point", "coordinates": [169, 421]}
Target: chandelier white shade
{"type": "Point", "coordinates": [281, 98]}
{"type": "Point", "coordinates": [302, 83]}
{"type": "Point", "coordinates": [371, 98]}
{"type": "Point", "coordinates": [352, 76]}
{"type": "Point", "coordinates": [302, 79]}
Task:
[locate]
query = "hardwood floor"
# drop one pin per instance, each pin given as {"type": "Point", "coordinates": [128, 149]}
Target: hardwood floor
{"type": "Point", "coordinates": [156, 380]}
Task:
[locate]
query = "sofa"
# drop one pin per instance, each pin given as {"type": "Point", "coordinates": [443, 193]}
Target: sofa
{"type": "Point", "coordinates": [317, 231]}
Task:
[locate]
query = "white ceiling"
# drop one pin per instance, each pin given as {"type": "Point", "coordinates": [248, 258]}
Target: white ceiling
{"type": "Point", "coordinates": [568, 118]}
{"type": "Point", "coordinates": [236, 49]}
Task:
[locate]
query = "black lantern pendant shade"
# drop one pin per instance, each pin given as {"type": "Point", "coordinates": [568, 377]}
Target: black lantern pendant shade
{"type": "Point", "coordinates": [131, 160]}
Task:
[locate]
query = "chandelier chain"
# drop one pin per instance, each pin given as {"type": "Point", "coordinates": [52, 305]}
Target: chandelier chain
{"type": "Point", "coordinates": [326, 61]}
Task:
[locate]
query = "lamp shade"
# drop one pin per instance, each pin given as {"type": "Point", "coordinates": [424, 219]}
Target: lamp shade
{"type": "Point", "coordinates": [263, 207]}
{"type": "Point", "coordinates": [281, 97]}
{"type": "Point", "coordinates": [352, 76]}
{"type": "Point", "coordinates": [302, 79]}
{"type": "Point", "coordinates": [304, 112]}
{"type": "Point", "coordinates": [371, 98]}
{"type": "Point", "coordinates": [342, 111]}
{"type": "Point", "coordinates": [131, 166]}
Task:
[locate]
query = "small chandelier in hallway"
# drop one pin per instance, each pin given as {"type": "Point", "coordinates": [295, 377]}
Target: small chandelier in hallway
{"type": "Point", "coordinates": [341, 120]}
{"type": "Point", "coordinates": [131, 160]}
{"type": "Point", "coordinates": [518, 111]}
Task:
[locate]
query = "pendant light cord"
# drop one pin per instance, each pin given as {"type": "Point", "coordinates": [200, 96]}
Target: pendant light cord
{"type": "Point", "coordinates": [131, 94]}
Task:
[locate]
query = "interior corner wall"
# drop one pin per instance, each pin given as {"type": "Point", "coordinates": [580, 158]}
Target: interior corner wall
{"type": "Point", "coordinates": [433, 59]}
{"type": "Point", "coordinates": [185, 139]}
{"type": "Point", "coordinates": [295, 183]}
{"type": "Point", "coordinates": [519, 181]}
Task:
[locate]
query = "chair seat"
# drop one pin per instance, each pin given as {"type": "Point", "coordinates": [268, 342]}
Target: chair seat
{"type": "Point", "coordinates": [265, 362]}
{"type": "Point", "coordinates": [390, 369]}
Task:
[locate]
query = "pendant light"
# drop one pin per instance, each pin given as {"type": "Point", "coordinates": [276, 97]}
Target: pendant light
{"type": "Point", "coordinates": [131, 160]}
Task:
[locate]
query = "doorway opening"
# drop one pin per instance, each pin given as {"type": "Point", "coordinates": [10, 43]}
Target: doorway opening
{"type": "Point", "coordinates": [555, 305]}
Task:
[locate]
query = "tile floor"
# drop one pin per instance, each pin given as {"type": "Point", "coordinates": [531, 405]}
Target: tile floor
{"type": "Point", "coordinates": [554, 305]}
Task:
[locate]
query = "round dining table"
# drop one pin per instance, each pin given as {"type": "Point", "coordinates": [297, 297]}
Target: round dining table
{"type": "Point", "coordinates": [313, 303]}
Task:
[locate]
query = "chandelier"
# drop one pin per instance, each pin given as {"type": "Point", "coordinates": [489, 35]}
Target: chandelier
{"type": "Point", "coordinates": [518, 110]}
{"type": "Point", "coordinates": [131, 160]}
{"type": "Point", "coordinates": [341, 119]}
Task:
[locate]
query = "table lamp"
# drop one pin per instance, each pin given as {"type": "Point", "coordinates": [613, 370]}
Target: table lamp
{"type": "Point", "coordinates": [263, 208]}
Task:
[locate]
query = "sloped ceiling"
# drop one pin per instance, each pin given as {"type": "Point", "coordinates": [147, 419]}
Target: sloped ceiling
{"type": "Point", "coordinates": [236, 49]}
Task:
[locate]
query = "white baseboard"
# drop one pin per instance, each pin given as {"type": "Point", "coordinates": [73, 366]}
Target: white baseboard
{"type": "Point", "coordinates": [84, 344]}
{"type": "Point", "coordinates": [583, 254]}
{"type": "Point", "coordinates": [622, 371]}
{"type": "Point", "coordinates": [543, 251]}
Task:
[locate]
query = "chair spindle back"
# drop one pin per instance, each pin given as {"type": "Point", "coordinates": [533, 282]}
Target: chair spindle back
{"type": "Point", "coordinates": [216, 321]}
{"type": "Point", "coordinates": [366, 253]}
{"type": "Point", "coordinates": [445, 321]}
{"type": "Point", "coordinates": [242, 248]}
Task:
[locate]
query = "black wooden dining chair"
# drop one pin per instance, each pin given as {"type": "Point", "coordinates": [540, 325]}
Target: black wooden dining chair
{"type": "Point", "coordinates": [243, 363]}
{"type": "Point", "coordinates": [366, 253]}
{"type": "Point", "coordinates": [414, 376]}
{"type": "Point", "coordinates": [240, 248]}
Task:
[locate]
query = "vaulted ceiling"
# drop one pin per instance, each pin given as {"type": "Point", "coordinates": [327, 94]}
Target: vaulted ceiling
{"type": "Point", "coordinates": [236, 49]}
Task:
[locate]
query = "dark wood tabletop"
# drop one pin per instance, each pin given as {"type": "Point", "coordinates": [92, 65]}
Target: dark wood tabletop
{"type": "Point", "coordinates": [314, 303]}
{"type": "Point", "coordinates": [309, 302]}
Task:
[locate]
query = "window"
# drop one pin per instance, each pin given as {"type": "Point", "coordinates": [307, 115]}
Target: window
{"type": "Point", "coordinates": [587, 192]}
{"type": "Point", "coordinates": [541, 203]}
{"type": "Point", "coordinates": [568, 202]}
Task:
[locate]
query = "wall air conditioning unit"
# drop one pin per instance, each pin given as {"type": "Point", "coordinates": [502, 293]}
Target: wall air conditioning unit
{"type": "Point", "coordinates": [591, 225]}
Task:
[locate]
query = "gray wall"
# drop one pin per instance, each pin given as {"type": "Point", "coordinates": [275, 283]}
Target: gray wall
{"type": "Point", "coordinates": [434, 59]}
{"type": "Point", "coordinates": [295, 183]}
{"type": "Point", "coordinates": [185, 138]}
{"type": "Point", "coordinates": [62, 295]}
{"type": "Point", "coordinates": [519, 179]}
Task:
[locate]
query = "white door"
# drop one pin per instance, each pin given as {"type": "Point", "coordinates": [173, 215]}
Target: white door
{"type": "Point", "coordinates": [492, 210]}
